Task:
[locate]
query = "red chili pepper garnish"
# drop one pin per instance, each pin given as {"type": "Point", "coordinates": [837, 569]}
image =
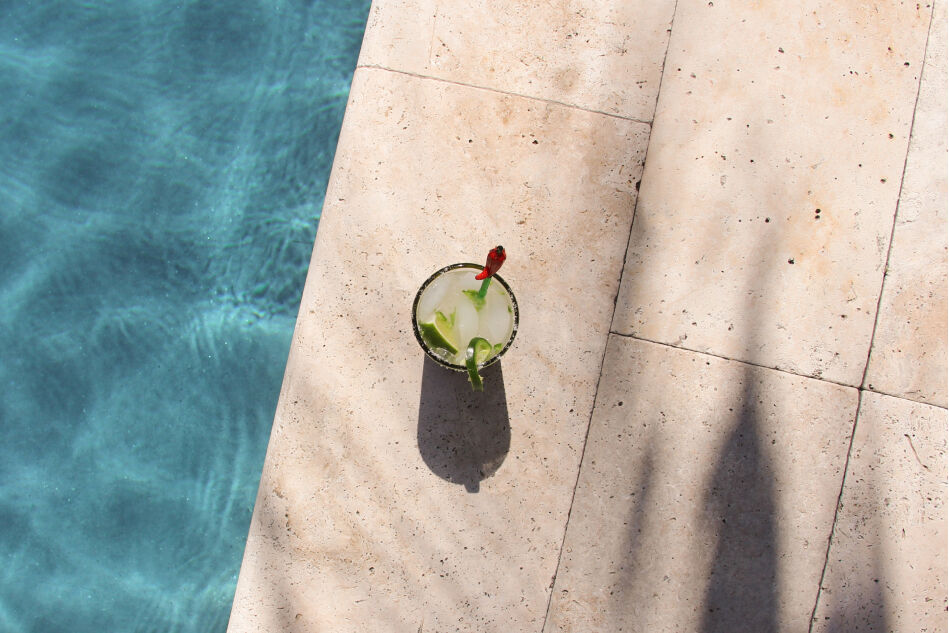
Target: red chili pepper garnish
{"type": "Point", "coordinates": [496, 257]}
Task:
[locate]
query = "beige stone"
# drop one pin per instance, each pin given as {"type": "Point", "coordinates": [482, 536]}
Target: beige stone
{"type": "Point", "coordinates": [886, 569]}
{"type": "Point", "coordinates": [392, 498]}
{"type": "Point", "coordinates": [601, 56]}
{"type": "Point", "coordinates": [908, 358]}
{"type": "Point", "coordinates": [706, 496]}
{"type": "Point", "coordinates": [769, 112]}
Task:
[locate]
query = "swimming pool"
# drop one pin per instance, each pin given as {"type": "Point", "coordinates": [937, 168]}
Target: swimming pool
{"type": "Point", "coordinates": [162, 169]}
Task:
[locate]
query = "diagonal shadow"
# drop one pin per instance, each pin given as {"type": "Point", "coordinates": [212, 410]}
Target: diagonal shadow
{"type": "Point", "coordinates": [741, 590]}
{"type": "Point", "coordinates": [857, 602]}
{"type": "Point", "coordinates": [860, 604]}
{"type": "Point", "coordinates": [625, 587]}
{"type": "Point", "coordinates": [463, 436]}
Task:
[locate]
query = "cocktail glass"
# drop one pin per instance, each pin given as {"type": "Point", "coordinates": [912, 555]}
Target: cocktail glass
{"type": "Point", "coordinates": [448, 315]}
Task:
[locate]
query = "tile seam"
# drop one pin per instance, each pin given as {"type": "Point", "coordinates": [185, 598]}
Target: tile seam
{"type": "Point", "coordinates": [899, 196]}
{"type": "Point", "coordinates": [778, 369]}
{"type": "Point", "coordinates": [876, 320]}
{"type": "Point", "coordinates": [833, 523]}
{"type": "Point", "coordinates": [506, 92]}
{"type": "Point", "coordinates": [904, 398]}
{"type": "Point", "coordinates": [606, 345]}
{"type": "Point", "coordinates": [738, 360]}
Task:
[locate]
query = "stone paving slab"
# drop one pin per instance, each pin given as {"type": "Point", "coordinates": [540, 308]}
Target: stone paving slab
{"type": "Point", "coordinates": [706, 496]}
{"type": "Point", "coordinates": [887, 563]}
{"type": "Point", "coordinates": [908, 357]}
{"type": "Point", "coordinates": [772, 181]}
{"type": "Point", "coordinates": [601, 56]}
{"type": "Point", "coordinates": [391, 498]}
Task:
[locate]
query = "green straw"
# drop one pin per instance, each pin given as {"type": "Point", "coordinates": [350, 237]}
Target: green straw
{"type": "Point", "coordinates": [484, 288]}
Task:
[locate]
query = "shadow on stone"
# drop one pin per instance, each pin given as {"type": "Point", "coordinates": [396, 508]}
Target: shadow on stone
{"type": "Point", "coordinates": [741, 593]}
{"type": "Point", "coordinates": [866, 611]}
{"type": "Point", "coordinates": [857, 601]}
{"type": "Point", "coordinates": [463, 435]}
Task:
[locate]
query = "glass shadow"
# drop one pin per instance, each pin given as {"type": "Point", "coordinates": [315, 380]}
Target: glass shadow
{"type": "Point", "coordinates": [463, 435]}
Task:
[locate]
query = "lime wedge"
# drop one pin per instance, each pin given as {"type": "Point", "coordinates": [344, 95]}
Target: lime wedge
{"type": "Point", "coordinates": [438, 333]}
{"type": "Point", "coordinates": [479, 350]}
{"type": "Point", "coordinates": [476, 298]}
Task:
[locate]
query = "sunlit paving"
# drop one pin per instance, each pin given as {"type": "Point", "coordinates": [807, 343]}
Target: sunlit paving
{"type": "Point", "coordinates": [701, 388]}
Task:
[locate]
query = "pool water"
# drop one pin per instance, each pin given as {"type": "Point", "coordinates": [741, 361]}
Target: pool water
{"type": "Point", "coordinates": [162, 169]}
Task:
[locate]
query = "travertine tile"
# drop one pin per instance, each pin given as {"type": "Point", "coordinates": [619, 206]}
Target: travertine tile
{"type": "Point", "coordinates": [705, 498]}
{"type": "Point", "coordinates": [768, 113]}
{"type": "Point", "coordinates": [887, 565]}
{"type": "Point", "coordinates": [908, 358]}
{"type": "Point", "coordinates": [602, 56]}
{"type": "Point", "coordinates": [364, 519]}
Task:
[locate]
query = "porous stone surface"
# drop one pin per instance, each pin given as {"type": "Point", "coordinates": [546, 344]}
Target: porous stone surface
{"type": "Point", "coordinates": [772, 181]}
{"type": "Point", "coordinates": [601, 56]}
{"type": "Point", "coordinates": [395, 499]}
{"type": "Point", "coordinates": [886, 568]}
{"type": "Point", "coordinates": [392, 498]}
{"type": "Point", "coordinates": [908, 358]}
{"type": "Point", "coordinates": [706, 496]}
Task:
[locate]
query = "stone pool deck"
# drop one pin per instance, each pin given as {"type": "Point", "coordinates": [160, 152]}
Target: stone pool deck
{"type": "Point", "coordinates": [725, 409]}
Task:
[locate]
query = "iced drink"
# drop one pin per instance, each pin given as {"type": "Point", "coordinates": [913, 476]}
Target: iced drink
{"type": "Point", "coordinates": [449, 313]}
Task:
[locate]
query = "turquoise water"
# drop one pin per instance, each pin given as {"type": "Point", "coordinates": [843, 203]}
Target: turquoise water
{"type": "Point", "coordinates": [162, 168]}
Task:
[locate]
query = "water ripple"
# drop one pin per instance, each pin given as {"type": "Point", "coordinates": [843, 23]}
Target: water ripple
{"type": "Point", "coordinates": [162, 168]}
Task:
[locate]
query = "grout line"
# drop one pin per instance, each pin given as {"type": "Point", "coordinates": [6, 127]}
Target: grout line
{"type": "Point", "coordinates": [778, 369]}
{"type": "Point", "coordinates": [876, 321]}
{"type": "Point", "coordinates": [738, 360]}
{"type": "Point", "coordinates": [509, 93]}
{"type": "Point", "coordinates": [833, 523]}
{"type": "Point", "coordinates": [899, 196]}
{"type": "Point", "coordinates": [606, 345]}
{"type": "Point", "coordinates": [893, 395]}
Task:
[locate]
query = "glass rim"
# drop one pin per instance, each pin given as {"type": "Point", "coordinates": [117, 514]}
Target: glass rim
{"type": "Point", "coordinates": [418, 335]}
